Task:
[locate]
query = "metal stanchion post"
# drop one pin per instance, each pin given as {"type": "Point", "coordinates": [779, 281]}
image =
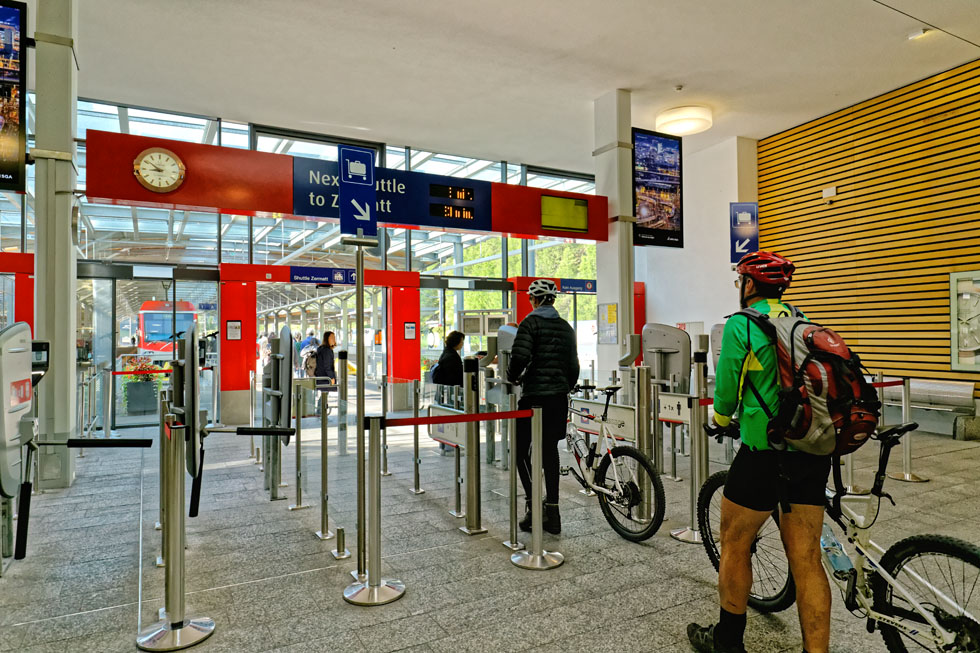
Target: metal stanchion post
{"type": "Point", "coordinates": [513, 544]}
{"type": "Point", "coordinates": [507, 427]}
{"type": "Point", "coordinates": [164, 467]}
{"type": "Point", "coordinates": [458, 512]}
{"type": "Point", "coordinates": [176, 631]}
{"type": "Point", "coordinates": [490, 435]}
{"type": "Point", "coordinates": [907, 474]}
{"type": "Point", "coordinates": [536, 557]}
{"type": "Point", "coordinates": [251, 413]}
{"type": "Point", "coordinates": [324, 532]}
{"type": "Point", "coordinates": [471, 399]}
{"type": "Point", "coordinates": [416, 460]}
{"type": "Point", "coordinates": [341, 552]}
{"type": "Point", "coordinates": [699, 441]}
{"type": "Point", "coordinates": [300, 405]}
{"type": "Point", "coordinates": [644, 438]}
{"type": "Point", "coordinates": [384, 430]}
{"type": "Point", "coordinates": [375, 590]}
{"type": "Point", "coordinates": [342, 403]}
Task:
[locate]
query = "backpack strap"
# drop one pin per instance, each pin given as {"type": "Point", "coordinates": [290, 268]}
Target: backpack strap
{"type": "Point", "coordinates": [839, 489]}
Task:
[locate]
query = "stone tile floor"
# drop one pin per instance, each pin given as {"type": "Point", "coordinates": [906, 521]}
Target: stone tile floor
{"type": "Point", "coordinates": [89, 582]}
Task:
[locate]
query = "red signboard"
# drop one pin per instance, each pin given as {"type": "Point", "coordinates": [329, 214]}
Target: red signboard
{"type": "Point", "coordinates": [225, 179]}
{"type": "Point", "coordinates": [247, 182]}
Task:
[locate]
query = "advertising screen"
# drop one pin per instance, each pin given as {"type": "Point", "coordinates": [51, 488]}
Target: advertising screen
{"type": "Point", "coordinates": [13, 131]}
{"type": "Point", "coordinates": [657, 201]}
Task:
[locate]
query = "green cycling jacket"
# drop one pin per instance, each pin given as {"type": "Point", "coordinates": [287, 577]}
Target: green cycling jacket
{"type": "Point", "coordinates": [738, 362]}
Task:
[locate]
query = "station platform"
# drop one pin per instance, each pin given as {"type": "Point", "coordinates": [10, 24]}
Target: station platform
{"type": "Point", "coordinates": [90, 583]}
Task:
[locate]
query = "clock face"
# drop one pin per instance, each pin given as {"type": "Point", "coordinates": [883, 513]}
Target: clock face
{"type": "Point", "coordinates": [159, 170]}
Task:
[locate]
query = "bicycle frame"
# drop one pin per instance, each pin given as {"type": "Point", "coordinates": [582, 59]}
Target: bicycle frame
{"type": "Point", "coordinates": [857, 519]}
{"type": "Point", "coordinates": [607, 442]}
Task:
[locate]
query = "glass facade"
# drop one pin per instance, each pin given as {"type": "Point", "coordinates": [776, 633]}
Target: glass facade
{"type": "Point", "coordinates": [109, 233]}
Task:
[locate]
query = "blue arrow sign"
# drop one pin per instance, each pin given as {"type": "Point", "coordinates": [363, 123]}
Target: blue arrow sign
{"type": "Point", "coordinates": [335, 276]}
{"type": "Point", "coordinates": [357, 196]}
{"type": "Point", "coordinates": [744, 227]}
{"type": "Point", "coordinates": [405, 198]}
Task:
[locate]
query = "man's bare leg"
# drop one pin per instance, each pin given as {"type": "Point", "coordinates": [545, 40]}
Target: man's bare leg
{"type": "Point", "coordinates": [800, 529]}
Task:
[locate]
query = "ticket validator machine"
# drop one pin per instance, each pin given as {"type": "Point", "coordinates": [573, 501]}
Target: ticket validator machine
{"type": "Point", "coordinates": [23, 363]}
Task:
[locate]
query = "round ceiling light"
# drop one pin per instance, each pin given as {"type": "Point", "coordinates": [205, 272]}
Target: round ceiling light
{"type": "Point", "coordinates": [683, 121]}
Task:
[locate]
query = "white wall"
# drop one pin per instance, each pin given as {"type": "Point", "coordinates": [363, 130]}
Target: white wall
{"type": "Point", "coordinates": [696, 283]}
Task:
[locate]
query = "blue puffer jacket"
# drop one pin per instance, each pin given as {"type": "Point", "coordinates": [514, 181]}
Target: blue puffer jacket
{"type": "Point", "coordinates": [544, 359]}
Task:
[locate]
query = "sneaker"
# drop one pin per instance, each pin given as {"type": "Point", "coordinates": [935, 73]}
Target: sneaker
{"type": "Point", "coordinates": [702, 638]}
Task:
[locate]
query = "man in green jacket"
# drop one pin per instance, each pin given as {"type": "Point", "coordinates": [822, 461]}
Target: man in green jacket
{"type": "Point", "coordinates": [759, 478]}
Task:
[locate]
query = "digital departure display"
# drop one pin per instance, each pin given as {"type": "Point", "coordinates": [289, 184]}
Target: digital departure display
{"type": "Point", "coordinates": [437, 210]}
{"type": "Point", "coordinates": [564, 214]}
{"type": "Point", "coordinates": [452, 192]}
{"type": "Point", "coordinates": [13, 88]}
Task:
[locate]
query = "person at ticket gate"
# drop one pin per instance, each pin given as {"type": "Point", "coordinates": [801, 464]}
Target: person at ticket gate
{"type": "Point", "coordinates": [325, 362]}
{"type": "Point", "coordinates": [544, 362]}
{"type": "Point", "coordinates": [761, 478]}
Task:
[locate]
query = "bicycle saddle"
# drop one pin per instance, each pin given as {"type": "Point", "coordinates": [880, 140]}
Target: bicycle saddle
{"type": "Point", "coordinates": [610, 390]}
{"type": "Point", "coordinates": [892, 435]}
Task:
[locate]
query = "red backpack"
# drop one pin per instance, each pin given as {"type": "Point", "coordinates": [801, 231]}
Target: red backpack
{"type": "Point", "coordinates": [826, 405]}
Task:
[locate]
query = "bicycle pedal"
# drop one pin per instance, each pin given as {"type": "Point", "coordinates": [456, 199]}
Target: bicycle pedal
{"type": "Point", "coordinates": [564, 471]}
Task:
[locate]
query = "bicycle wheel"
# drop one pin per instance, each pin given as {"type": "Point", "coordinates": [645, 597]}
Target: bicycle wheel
{"type": "Point", "coordinates": [773, 589]}
{"type": "Point", "coordinates": [934, 570]}
{"type": "Point", "coordinates": [622, 510]}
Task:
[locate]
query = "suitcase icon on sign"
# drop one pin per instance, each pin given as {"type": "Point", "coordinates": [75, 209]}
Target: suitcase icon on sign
{"type": "Point", "coordinates": [356, 169]}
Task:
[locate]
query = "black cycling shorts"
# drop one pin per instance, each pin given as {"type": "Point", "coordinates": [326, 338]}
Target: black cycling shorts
{"type": "Point", "coordinates": [753, 479]}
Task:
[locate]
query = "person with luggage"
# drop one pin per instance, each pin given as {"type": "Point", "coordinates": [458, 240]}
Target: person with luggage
{"type": "Point", "coordinates": [763, 478]}
{"type": "Point", "coordinates": [544, 362]}
{"type": "Point", "coordinates": [324, 370]}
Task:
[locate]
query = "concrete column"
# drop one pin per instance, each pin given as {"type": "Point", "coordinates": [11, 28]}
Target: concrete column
{"type": "Point", "coordinates": [614, 179]}
{"type": "Point", "coordinates": [55, 296]}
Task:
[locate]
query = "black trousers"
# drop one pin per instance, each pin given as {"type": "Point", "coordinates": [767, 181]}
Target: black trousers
{"type": "Point", "coordinates": [554, 416]}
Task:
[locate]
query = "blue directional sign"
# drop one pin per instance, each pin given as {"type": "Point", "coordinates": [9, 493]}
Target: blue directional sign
{"type": "Point", "coordinates": [405, 198]}
{"type": "Point", "coordinates": [333, 276]}
{"type": "Point", "coordinates": [744, 225]}
{"type": "Point", "coordinates": [357, 196]}
{"type": "Point", "coordinates": [577, 285]}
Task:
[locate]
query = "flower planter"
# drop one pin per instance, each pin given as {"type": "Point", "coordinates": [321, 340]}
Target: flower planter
{"type": "Point", "coordinates": [141, 397]}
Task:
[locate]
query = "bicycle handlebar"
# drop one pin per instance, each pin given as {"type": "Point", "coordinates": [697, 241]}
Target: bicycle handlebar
{"type": "Point", "coordinates": [719, 433]}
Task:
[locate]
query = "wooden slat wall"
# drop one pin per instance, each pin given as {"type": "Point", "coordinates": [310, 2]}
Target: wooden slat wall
{"type": "Point", "coordinates": [875, 264]}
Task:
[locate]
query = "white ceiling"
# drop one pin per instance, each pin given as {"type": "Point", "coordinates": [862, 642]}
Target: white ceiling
{"type": "Point", "coordinates": [510, 79]}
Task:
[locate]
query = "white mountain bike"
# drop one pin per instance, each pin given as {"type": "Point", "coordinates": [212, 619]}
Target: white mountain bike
{"type": "Point", "coordinates": [617, 474]}
{"type": "Point", "coordinates": [923, 591]}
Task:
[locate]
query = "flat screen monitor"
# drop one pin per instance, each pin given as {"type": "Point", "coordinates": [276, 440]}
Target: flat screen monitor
{"type": "Point", "coordinates": [13, 89]}
{"type": "Point", "coordinates": [564, 214]}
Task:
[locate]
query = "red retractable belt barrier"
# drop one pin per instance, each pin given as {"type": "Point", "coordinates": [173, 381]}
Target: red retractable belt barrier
{"type": "Point", "coordinates": [459, 419]}
{"type": "Point", "coordinates": [707, 401]}
{"type": "Point", "coordinates": [888, 384]}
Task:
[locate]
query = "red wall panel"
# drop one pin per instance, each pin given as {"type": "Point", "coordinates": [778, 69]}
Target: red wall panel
{"type": "Point", "coordinates": [517, 211]}
{"type": "Point", "coordinates": [237, 356]}
{"type": "Point", "coordinates": [222, 178]}
{"type": "Point", "coordinates": [24, 298]}
{"type": "Point", "coordinates": [404, 356]}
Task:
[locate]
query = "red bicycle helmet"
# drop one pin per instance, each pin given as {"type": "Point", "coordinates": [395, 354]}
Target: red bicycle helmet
{"type": "Point", "coordinates": [767, 267]}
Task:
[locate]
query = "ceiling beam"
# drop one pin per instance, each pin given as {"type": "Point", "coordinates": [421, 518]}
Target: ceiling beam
{"type": "Point", "coordinates": [210, 132]}
{"type": "Point", "coordinates": [123, 120]}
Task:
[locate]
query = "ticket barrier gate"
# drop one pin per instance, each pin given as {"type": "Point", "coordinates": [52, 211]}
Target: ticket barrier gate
{"type": "Point", "coordinates": [183, 430]}
{"type": "Point", "coordinates": [277, 387]}
{"type": "Point", "coordinates": [23, 363]}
